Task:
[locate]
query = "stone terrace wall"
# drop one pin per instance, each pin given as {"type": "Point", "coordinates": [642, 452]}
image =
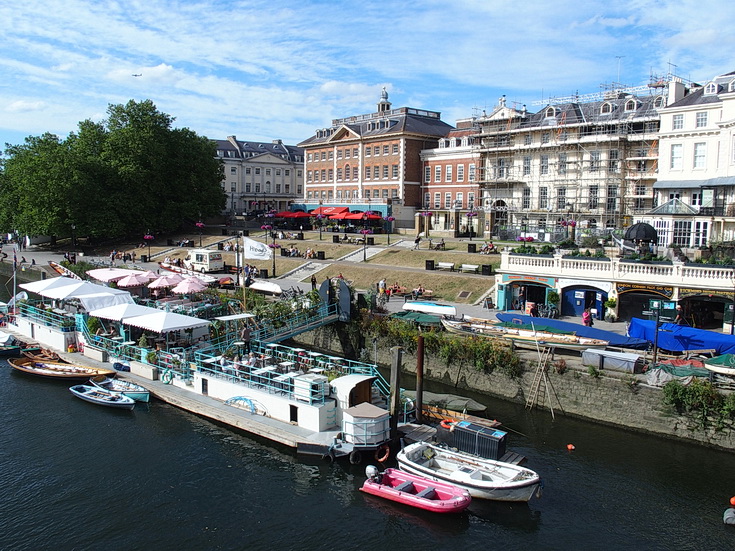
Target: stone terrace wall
{"type": "Point", "coordinates": [610, 398]}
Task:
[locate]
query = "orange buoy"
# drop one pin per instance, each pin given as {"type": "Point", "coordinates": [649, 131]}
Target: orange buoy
{"type": "Point", "coordinates": [732, 501]}
{"type": "Point", "coordinates": [447, 423]}
{"type": "Point", "coordinates": [570, 447]}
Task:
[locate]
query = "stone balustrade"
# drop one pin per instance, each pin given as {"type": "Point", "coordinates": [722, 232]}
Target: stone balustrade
{"type": "Point", "coordinates": [675, 274]}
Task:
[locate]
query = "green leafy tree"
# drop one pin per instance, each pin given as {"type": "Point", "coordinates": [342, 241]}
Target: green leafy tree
{"type": "Point", "coordinates": [121, 177]}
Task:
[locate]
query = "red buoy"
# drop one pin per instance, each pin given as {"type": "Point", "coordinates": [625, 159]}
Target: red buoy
{"type": "Point", "coordinates": [570, 447]}
{"type": "Point", "coordinates": [732, 501]}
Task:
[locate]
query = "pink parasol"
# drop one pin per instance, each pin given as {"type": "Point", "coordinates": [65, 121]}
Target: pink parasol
{"type": "Point", "coordinates": [189, 285]}
{"type": "Point", "coordinates": [133, 280]}
{"type": "Point", "coordinates": [168, 280]}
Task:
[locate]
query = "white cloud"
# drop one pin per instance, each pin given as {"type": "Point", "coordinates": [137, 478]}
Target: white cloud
{"type": "Point", "coordinates": [25, 106]}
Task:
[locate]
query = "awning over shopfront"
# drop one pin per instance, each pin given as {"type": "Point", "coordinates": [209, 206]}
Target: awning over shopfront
{"type": "Point", "coordinates": [328, 211]}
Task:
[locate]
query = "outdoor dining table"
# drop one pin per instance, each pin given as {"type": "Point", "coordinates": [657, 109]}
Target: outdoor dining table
{"type": "Point", "coordinates": [262, 376]}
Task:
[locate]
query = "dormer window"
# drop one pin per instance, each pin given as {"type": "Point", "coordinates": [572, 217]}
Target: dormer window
{"type": "Point", "coordinates": [731, 86]}
{"type": "Point", "coordinates": [442, 143]}
{"type": "Point", "coordinates": [710, 89]}
{"type": "Point", "coordinates": [630, 105]}
{"type": "Point", "coordinates": [658, 102]}
{"type": "Point", "coordinates": [550, 113]}
{"type": "Point", "coordinates": [606, 109]}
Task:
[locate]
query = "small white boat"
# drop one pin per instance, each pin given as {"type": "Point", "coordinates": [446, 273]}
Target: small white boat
{"type": "Point", "coordinates": [483, 478]}
{"type": "Point", "coordinates": [128, 388]}
{"type": "Point", "coordinates": [265, 287]}
{"type": "Point", "coordinates": [102, 397]}
{"type": "Point", "coordinates": [430, 308]}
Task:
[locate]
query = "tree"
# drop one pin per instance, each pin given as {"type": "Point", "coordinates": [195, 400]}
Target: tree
{"type": "Point", "coordinates": [121, 177]}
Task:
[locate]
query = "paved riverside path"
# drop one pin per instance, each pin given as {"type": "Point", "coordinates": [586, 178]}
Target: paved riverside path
{"type": "Point", "coordinates": [43, 256]}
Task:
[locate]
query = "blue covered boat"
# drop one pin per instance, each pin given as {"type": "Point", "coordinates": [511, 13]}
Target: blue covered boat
{"type": "Point", "coordinates": [615, 340]}
{"type": "Point", "coordinates": [681, 338]}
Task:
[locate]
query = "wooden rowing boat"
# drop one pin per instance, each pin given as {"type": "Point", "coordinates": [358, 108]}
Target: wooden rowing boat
{"type": "Point", "coordinates": [42, 355]}
{"type": "Point", "coordinates": [58, 370]}
{"type": "Point", "coordinates": [59, 269]}
{"type": "Point", "coordinates": [521, 336]}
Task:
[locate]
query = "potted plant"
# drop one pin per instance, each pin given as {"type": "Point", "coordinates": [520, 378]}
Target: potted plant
{"type": "Point", "coordinates": [610, 309]}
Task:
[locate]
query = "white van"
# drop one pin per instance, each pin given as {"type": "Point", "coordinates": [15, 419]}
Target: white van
{"type": "Point", "coordinates": [205, 260]}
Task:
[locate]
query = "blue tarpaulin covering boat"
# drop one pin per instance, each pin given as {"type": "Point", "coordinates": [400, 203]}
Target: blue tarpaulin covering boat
{"type": "Point", "coordinates": [679, 338]}
{"type": "Point", "coordinates": [615, 339]}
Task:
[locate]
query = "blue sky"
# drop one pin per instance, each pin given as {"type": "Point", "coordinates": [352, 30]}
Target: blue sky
{"type": "Point", "coordinates": [263, 70]}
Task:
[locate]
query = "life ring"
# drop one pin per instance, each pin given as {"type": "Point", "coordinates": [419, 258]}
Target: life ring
{"type": "Point", "coordinates": [382, 453]}
{"type": "Point", "coordinates": [167, 376]}
{"type": "Point", "coordinates": [447, 423]}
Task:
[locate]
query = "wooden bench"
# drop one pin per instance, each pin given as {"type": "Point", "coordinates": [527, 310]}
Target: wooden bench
{"type": "Point", "coordinates": [445, 266]}
{"type": "Point", "coordinates": [470, 268]}
{"type": "Point", "coordinates": [428, 293]}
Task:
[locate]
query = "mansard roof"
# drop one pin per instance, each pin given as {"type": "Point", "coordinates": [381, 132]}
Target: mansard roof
{"type": "Point", "coordinates": [405, 120]}
{"type": "Point", "coordinates": [248, 149]}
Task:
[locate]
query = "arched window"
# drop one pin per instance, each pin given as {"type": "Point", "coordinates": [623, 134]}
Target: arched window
{"type": "Point", "coordinates": [610, 224]}
{"type": "Point", "coordinates": [550, 113]}
{"type": "Point", "coordinates": [658, 102]}
{"type": "Point", "coordinates": [630, 105]}
{"type": "Point", "coordinates": [592, 223]}
{"type": "Point", "coordinates": [606, 108]}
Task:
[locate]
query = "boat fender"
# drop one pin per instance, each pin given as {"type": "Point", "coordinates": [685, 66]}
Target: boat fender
{"type": "Point", "coordinates": [329, 456]}
{"type": "Point", "coordinates": [447, 423]}
{"type": "Point", "coordinates": [729, 516]}
{"type": "Point", "coordinates": [167, 377]}
{"type": "Point", "coordinates": [382, 453]}
{"type": "Point", "coordinates": [355, 457]}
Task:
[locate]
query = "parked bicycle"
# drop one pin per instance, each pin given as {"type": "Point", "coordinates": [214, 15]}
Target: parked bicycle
{"type": "Point", "coordinates": [548, 311]}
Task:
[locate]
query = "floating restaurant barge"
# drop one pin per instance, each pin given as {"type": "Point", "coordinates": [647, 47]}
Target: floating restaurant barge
{"type": "Point", "coordinates": [320, 404]}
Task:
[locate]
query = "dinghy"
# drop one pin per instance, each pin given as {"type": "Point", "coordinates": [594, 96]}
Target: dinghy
{"type": "Point", "coordinates": [416, 491]}
{"type": "Point", "coordinates": [102, 397]}
{"type": "Point", "coordinates": [483, 478]}
{"type": "Point", "coordinates": [128, 388]}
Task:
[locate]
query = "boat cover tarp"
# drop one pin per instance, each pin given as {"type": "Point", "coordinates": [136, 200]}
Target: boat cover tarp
{"type": "Point", "coordinates": [607, 359]}
{"type": "Point", "coordinates": [680, 338]}
{"type": "Point", "coordinates": [663, 373]}
{"type": "Point", "coordinates": [447, 401]}
{"type": "Point", "coordinates": [615, 339]}
{"type": "Point", "coordinates": [417, 317]}
{"type": "Point", "coordinates": [726, 360]}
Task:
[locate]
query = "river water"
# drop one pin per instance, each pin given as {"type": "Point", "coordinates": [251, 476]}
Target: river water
{"type": "Point", "coordinates": [78, 476]}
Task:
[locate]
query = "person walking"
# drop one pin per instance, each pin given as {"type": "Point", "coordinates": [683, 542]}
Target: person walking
{"type": "Point", "coordinates": [587, 317]}
{"type": "Point", "coordinates": [313, 282]}
{"type": "Point", "coordinates": [416, 243]}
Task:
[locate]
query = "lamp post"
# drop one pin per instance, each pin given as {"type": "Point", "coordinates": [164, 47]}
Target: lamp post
{"type": "Point", "coordinates": [200, 225]}
{"type": "Point", "coordinates": [274, 246]}
{"type": "Point", "coordinates": [73, 237]}
{"type": "Point", "coordinates": [365, 232]}
{"type": "Point", "coordinates": [390, 220]}
{"type": "Point", "coordinates": [148, 237]}
{"type": "Point", "coordinates": [320, 218]}
{"type": "Point", "coordinates": [470, 215]}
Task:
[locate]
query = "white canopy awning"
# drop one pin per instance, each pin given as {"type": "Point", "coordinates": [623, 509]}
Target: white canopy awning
{"type": "Point", "coordinates": [163, 322]}
{"type": "Point", "coordinates": [121, 311]}
{"type": "Point", "coordinates": [51, 283]}
{"type": "Point", "coordinates": [111, 274]}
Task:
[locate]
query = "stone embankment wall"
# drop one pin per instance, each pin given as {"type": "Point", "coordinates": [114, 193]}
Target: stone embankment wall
{"type": "Point", "coordinates": [612, 398]}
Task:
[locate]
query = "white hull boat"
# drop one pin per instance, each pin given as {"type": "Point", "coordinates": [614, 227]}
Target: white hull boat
{"type": "Point", "coordinates": [129, 389]}
{"type": "Point", "coordinates": [102, 397]}
{"type": "Point", "coordinates": [483, 478]}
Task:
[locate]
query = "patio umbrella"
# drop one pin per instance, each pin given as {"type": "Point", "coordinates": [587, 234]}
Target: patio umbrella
{"type": "Point", "coordinates": [168, 280]}
{"type": "Point", "coordinates": [110, 274]}
{"type": "Point", "coordinates": [150, 274]}
{"type": "Point", "coordinates": [189, 285]}
{"type": "Point", "coordinates": [133, 280]}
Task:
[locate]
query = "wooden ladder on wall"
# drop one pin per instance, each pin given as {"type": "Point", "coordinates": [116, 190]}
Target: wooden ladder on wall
{"type": "Point", "coordinates": [540, 385]}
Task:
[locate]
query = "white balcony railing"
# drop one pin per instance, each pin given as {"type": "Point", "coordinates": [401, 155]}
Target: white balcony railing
{"type": "Point", "coordinates": [675, 274]}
